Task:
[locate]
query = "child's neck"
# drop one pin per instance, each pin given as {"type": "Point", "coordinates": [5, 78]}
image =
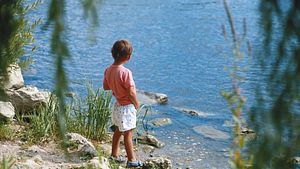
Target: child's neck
{"type": "Point", "coordinates": [118, 63]}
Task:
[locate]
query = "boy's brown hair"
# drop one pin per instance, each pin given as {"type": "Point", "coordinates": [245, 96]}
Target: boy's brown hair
{"type": "Point", "coordinates": [121, 49]}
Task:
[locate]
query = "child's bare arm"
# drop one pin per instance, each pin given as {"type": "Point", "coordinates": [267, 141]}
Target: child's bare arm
{"type": "Point", "coordinates": [132, 97]}
{"type": "Point", "coordinates": [105, 85]}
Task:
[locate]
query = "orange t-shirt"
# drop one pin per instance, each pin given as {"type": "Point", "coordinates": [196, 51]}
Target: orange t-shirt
{"type": "Point", "coordinates": [119, 79]}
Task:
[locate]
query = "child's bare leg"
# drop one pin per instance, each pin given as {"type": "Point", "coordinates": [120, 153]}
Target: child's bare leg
{"type": "Point", "coordinates": [116, 143]}
{"type": "Point", "coordinates": [129, 145]}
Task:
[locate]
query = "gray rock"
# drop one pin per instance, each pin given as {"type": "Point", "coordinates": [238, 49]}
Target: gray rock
{"type": "Point", "coordinates": [102, 163]}
{"type": "Point", "coordinates": [28, 98]}
{"type": "Point", "coordinates": [193, 112]}
{"type": "Point", "coordinates": [7, 111]}
{"type": "Point", "coordinates": [150, 140]}
{"type": "Point", "coordinates": [157, 163]}
{"type": "Point", "coordinates": [32, 163]}
{"type": "Point", "coordinates": [296, 160]}
{"type": "Point", "coordinates": [15, 79]}
{"type": "Point", "coordinates": [210, 132]}
{"type": "Point", "coordinates": [148, 149]}
{"type": "Point", "coordinates": [79, 144]}
{"type": "Point", "coordinates": [70, 94]}
{"type": "Point", "coordinates": [246, 130]}
{"type": "Point", "coordinates": [161, 121]}
{"type": "Point", "coordinates": [151, 98]}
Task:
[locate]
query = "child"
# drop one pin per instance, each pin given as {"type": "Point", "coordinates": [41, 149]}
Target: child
{"type": "Point", "coordinates": [119, 79]}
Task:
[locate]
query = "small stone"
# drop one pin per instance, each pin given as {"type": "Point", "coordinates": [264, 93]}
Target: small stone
{"type": "Point", "coordinates": [70, 94]}
{"type": "Point", "coordinates": [7, 111]}
{"type": "Point", "coordinates": [79, 144]}
{"type": "Point", "coordinates": [150, 140]}
{"type": "Point", "coordinates": [148, 149]}
{"type": "Point", "coordinates": [102, 163]}
{"type": "Point", "coordinates": [157, 163]}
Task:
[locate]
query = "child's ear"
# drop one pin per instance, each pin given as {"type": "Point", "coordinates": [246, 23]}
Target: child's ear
{"type": "Point", "coordinates": [128, 57]}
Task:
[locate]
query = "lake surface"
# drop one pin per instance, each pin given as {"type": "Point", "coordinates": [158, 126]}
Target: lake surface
{"type": "Point", "coordinates": [179, 50]}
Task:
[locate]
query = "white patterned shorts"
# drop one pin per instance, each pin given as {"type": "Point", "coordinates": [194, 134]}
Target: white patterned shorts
{"type": "Point", "coordinates": [124, 117]}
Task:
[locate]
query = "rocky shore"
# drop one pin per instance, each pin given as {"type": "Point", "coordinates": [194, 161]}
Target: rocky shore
{"type": "Point", "coordinates": [81, 152]}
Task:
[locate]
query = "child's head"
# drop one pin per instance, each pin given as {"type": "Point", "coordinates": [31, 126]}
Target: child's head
{"type": "Point", "coordinates": [121, 50]}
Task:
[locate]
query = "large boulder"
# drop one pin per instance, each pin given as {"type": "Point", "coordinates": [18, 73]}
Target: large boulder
{"type": "Point", "coordinates": [7, 111]}
{"type": "Point", "coordinates": [28, 98]}
{"type": "Point", "coordinates": [151, 98]}
{"type": "Point", "coordinates": [211, 132]}
{"type": "Point", "coordinates": [15, 79]}
{"type": "Point", "coordinates": [157, 163]}
{"type": "Point", "coordinates": [150, 140]}
{"type": "Point", "coordinates": [79, 144]}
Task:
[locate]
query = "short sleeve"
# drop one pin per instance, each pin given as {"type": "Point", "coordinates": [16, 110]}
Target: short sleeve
{"type": "Point", "coordinates": [105, 84]}
{"type": "Point", "coordinates": [128, 79]}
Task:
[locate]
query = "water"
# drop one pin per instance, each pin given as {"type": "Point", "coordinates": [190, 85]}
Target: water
{"type": "Point", "coordinates": [179, 50]}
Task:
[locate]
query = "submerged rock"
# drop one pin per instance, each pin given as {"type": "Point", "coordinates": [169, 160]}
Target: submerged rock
{"type": "Point", "coordinates": [193, 112]}
{"type": "Point", "coordinates": [161, 121]}
{"type": "Point", "coordinates": [151, 98]}
{"type": "Point", "coordinates": [246, 130]}
{"type": "Point", "coordinates": [28, 98]}
{"type": "Point", "coordinates": [296, 160]}
{"type": "Point", "coordinates": [79, 144]}
{"type": "Point", "coordinates": [7, 111]}
{"type": "Point", "coordinates": [210, 132]}
{"type": "Point", "coordinates": [150, 140]}
{"type": "Point", "coordinates": [157, 163]}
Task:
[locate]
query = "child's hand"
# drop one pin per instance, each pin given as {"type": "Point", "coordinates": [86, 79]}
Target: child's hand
{"type": "Point", "coordinates": [137, 106]}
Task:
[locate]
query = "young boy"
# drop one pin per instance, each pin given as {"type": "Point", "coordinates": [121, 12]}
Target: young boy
{"type": "Point", "coordinates": [119, 79]}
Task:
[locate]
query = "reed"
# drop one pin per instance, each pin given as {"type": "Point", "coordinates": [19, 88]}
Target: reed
{"type": "Point", "coordinates": [42, 122]}
{"type": "Point", "coordinates": [7, 163]}
{"type": "Point", "coordinates": [91, 117]}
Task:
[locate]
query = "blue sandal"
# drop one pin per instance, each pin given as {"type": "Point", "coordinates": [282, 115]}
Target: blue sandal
{"type": "Point", "coordinates": [134, 164]}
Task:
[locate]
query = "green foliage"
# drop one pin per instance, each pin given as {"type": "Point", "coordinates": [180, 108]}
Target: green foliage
{"type": "Point", "coordinates": [91, 118]}
{"type": "Point", "coordinates": [276, 113]}
{"type": "Point", "coordinates": [15, 33]}
{"type": "Point", "coordinates": [235, 100]}
{"type": "Point", "coordinates": [42, 123]}
{"type": "Point", "coordinates": [7, 163]}
{"type": "Point", "coordinates": [6, 133]}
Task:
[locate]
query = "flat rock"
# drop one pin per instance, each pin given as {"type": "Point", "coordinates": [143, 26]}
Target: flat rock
{"type": "Point", "coordinates": [161, 121]}
{"type": "Point", "coordinates": [157, 163]}
{"type": "Point", "coordinates": [79, 144]}
{"type": "Point", "coordinates": [28, 98]}
{"type": "Point", "coordinates": [7, 110]}
{"type": "Point", "coordinates": [150, 140]}
{"type": "Point", "coordinates": [193, 112]}
{"type": "Point", "coordinates": [151, 98]}
{"type": "Point", "coordinates": [211, 132]}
